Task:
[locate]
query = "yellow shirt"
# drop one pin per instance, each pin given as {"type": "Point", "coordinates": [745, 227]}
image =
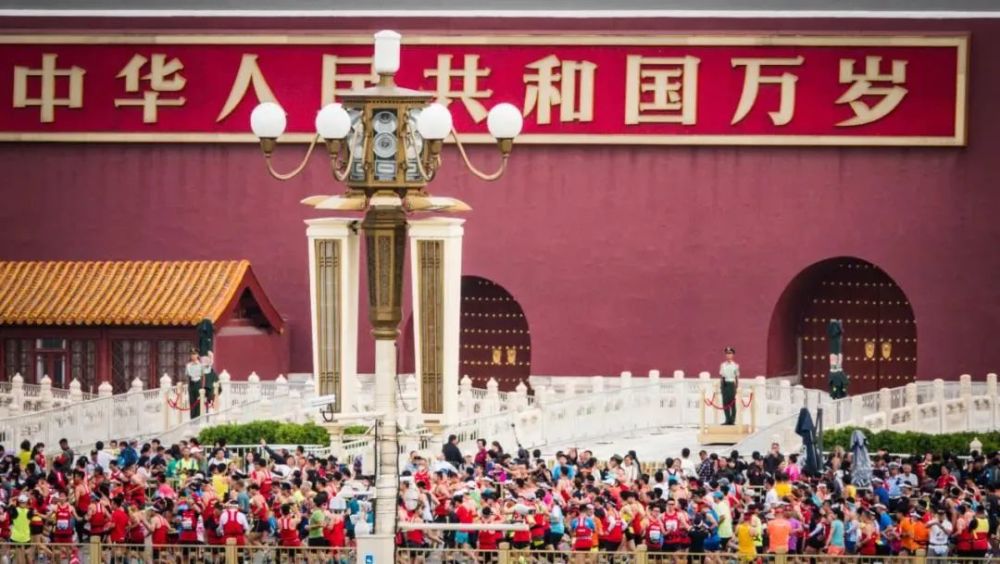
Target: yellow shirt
{"type": "Point", "coordinates": [745, 540]}
{"type": "Point", "coordinates": [783, 489]}
{"type": "Point", "coordinates": [220, 484]}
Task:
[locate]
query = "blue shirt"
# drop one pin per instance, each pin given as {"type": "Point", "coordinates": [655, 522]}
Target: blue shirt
{"type": "Point", "coordinates": [556, 522]}
{"type": "Point", "coordinates": [837, 533]}
{"type": "Point", "coordinates": [883, 496]}
{"type": "Point", "coordinates": [558, 470]}
{"type": "Point", "coordinates": [884, 521]}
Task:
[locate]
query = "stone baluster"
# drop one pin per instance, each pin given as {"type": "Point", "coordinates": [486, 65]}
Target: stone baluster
{"type": "Point", "coordinates": [492, 397]}
{"type": "Point", "coordinates": [798, 397]}
{"type": "Point", "coordinates": [991, 393]}
{"type": "Point", "coordinates": [253, 389]}
{"type": "Point", "coordinates": [520, 397]}
{"type": "Point", "coordinates": [280, 386]}
{"type": "Point", "coordinates": [912, 405]}
{"type": "Point", "coordinates": [626, 380]}
{"type": "Point", "coordinates": [224, 397]}
{"type": "Point", "coordinates": [465, 400]}
{"type": "Point", "coordinates": [885, 405]}
{"type": "Point", "coordinates": [939, 403]}
{"type": "Point", "coordinates": [597, 385]}
{"type": "Point", "coordinates": [105, 390]}
{"type": "Point", "coordinates": [295, 398]}
{"type": "Point", "coordinates": [309, 389]}
{"type": "Point", "coordinates": [759, 416]}
{"type": "Point", "coordinates": [45, 392]}
{"type": "Point", "coordinates": [965, 389]}
{"type": "Point", "coordinates": [410, 409]}
{"type": "Point", "coordinates": [675, 388]}
{"type": "Point", "coordinates": [785, 397]}
{"type": "Point", "coordinates": [857, 407]}
{"type": "Point", "coordinates": [136, 406]}
{"type": "Point", "coordinates": [569, 389]}
{"type": "Point", "coordinates": [75, 391]}
{"type": "Point", "coordinates": [16, 394]}
{"type": "Point", "coordinates": [707, 389]}
{"type": "Point", "coordinates": [166, 388]}
{"type": "Point", "coordinates": [542, 394]}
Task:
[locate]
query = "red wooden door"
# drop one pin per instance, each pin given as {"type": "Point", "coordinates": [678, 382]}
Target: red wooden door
{"type": "Point", "coordinates": [495, 340]}
{"type": "Point", "coordinates": [879, 329]}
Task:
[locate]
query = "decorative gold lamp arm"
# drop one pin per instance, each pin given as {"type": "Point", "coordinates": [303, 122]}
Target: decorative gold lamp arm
{"type": "Point", "coordinates": [505, 147]}
{"type": "Point", "coordinates": [335, 148]}
{"type": "Point", "coordinates": [267, 145]}
{"type": "Point", "coordinates": [429, 160]}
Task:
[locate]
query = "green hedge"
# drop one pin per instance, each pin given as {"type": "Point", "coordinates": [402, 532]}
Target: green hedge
{"type": "Point", "coordinates": [913, 443]}
{"type": "Point", "coordinates": [274, 432]}
{"type": "Point", "coordinates": [356, 430]}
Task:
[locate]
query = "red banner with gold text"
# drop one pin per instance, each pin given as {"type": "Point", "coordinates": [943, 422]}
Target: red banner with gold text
{"type": "Point", "coordinates": [643, 89]}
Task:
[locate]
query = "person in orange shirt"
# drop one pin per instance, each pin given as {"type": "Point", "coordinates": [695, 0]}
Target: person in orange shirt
{"type": "Point", "coordinates": [921, 534]}
{"type": "Point", "coordinates": [908, 545]}
{"type": "Point", "coordinates": [778, 531]}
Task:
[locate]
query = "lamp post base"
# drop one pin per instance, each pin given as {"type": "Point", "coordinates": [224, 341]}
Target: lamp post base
{"type": "Point", "coordinates": [376, 549]}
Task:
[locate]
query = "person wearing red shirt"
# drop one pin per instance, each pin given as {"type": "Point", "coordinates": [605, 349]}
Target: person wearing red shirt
{"type": "Point", "coordinates": [62, 526]}
{"type": "Point", "coordinates": [946, 480]}
{"type": "Point", "coordinates": [288, 530]}
{"type": "Point", "coordinates": [465, 512]}
{"type": "Point", "coordinates": [81, 503]}
{"type": "Point", "coordinates": [210, 518]}
{"type": "Point", "coordinates": [335, 529]}
{"type": "Point", "coordinates": [159, 531]}
{"type": "Point", "coordinates": [521, 540]}
{"type": "Point", "coordinates": [612, 531]}
{"type": "Point", "coordinates": [98, 516]}
{"type": "Point", "coordinates": [654, 529]}
{"type": "Point", "coordinates": [489, 540]}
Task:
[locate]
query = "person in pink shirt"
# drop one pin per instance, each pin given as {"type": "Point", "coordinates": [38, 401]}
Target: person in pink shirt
{"type": "Point", "coordinates": [793, 470]}
{"type": "Point", "coordinates": [165, 490]}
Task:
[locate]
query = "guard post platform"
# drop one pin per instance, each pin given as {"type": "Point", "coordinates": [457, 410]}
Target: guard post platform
{"type": "Point", "coordinates": [712, 431]}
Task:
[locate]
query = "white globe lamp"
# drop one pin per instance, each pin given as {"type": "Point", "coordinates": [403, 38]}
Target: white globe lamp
{"type": "Point", "coordinates": [333, 122]}
{"type": "Point", "coordinates": [434, 122]}
{"type": "Point", "coordinates": [268, 120]}
{"type": "Point", "coordinates": [504, 121]}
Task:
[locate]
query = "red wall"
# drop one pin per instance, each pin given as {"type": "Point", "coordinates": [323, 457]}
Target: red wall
{"type": "Point", "coordinates": [622, 258]}
{"type": "Point", "coordinates": [265, 353]}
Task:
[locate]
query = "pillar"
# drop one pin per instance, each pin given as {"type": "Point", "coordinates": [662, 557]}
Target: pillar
{"type": "Point", "coordinates": [436, 277]}
{"type": "Point", "coordinates": [333, 300]}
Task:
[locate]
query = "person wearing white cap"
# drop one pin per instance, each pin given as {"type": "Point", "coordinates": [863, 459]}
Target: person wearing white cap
{"type": "Point", "coordinates": [20, 529]}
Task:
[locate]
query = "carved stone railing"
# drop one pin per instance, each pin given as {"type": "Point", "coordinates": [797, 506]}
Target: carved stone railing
{"type": "Point", "coordinates": [17, 398]}
{"type": "Point", "coordinates": [934, 406]}
{"type": "Point", "coordinates": [630, 405]}
{"type": "Point", "coordinates": [142, 413]}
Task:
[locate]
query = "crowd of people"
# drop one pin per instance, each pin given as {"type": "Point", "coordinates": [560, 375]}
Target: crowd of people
{"type": "Point", "coordinates": [167, 501]}
{"type": "Point", "coordinates": [934, 504]}
{"type": "Point", "coordinates": [181, 502]}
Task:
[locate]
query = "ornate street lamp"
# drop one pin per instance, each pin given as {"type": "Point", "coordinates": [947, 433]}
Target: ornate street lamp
{"type": "Point", "coordinates": [384, 144]}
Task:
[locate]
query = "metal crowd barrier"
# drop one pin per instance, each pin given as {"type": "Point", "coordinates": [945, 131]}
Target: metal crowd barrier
{"type": "Point", "coordinates": [510, 555]}
{"type": "Point", "coordinates": [96, 552]}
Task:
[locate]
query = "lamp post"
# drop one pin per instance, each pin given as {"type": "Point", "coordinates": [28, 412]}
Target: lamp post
{"type": "Point", "coordinates": [385, 144]}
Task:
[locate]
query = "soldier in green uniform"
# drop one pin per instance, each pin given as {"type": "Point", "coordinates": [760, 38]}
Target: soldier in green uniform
{"type": "Point", "coordinates": [195, 372]}
{"type": "Point", "coordinates": [837, 378]}
{"type": "Point", "coordinates": [729, 373]}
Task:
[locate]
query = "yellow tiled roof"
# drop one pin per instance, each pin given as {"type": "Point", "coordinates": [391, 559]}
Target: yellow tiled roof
{"type": "Point", "coordinates": [172, 293]}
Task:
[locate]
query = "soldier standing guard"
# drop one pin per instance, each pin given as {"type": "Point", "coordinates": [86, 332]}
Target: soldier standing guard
{"type": "Point", "coordinates": [195, 371]}
{"type": "Point", "coordinates": [729, 372]}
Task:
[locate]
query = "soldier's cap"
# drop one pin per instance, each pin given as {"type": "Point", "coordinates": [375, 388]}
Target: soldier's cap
{"type": "Point", "coordinates": [729, 350]}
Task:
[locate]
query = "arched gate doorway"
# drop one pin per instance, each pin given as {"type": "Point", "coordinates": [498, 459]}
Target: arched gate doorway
{"type": "Point", "coordinates": [880, 332]}
{"type": "Point", "coordinates": [495, 340]}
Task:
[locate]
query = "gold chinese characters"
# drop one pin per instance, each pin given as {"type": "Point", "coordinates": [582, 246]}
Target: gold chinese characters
{"type": "Point", "coordinates": [553, 89]}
